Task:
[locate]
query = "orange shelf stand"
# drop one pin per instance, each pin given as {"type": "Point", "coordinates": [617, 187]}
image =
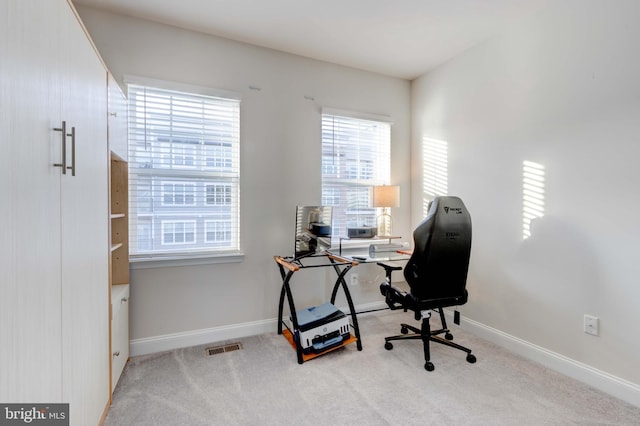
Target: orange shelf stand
{"type": "Point", "coordinates": [307, 357]}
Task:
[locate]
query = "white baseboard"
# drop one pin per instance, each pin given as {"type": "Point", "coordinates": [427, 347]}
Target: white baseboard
{"type": "Point", "coordinates": [620, 388]}
{"type": "Point", "coordinates": [608, 383]}
{"type": "Point", "coordinates": [166, 342]}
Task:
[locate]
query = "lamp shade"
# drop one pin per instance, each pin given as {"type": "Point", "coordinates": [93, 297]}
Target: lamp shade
{"type": "Point", "coordinates": [386, 196]}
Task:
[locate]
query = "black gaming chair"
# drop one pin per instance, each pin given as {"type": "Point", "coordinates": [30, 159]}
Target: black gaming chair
{"type": "Point", "coordinates": [436, 274]}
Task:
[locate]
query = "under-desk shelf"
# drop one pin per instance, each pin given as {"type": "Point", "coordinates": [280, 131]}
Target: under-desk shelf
{"type": "Point", "coordinates": [306, 357]}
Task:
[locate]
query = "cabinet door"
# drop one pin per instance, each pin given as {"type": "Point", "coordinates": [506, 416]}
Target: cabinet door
{"type": "Point", "coordinates": [119, 331]}
{"type": "Point", "coordinates": [118, 113]}
{"type": "Point", "coordinates": [84, 224]}
{"type": "Point", "coordinates": [30, 289]}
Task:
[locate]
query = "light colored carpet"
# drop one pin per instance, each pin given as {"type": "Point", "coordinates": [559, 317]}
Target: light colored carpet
{"type": "Point", "coordinates": [263, 384]}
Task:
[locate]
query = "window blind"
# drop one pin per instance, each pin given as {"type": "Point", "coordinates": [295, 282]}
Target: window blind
{"type": "Point", "coordinates": [356, 155]}
{"type": "Point", "coordinates": [184, 171]}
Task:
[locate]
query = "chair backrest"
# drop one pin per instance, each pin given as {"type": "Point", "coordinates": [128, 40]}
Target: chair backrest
{"type": "Point", "coordinates": [438, 266]}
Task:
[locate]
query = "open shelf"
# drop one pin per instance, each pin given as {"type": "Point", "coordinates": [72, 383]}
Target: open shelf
{"type": "Point", "coordinates": [306, 357]}
{"type": "Point", "coordinates": [119, 221]}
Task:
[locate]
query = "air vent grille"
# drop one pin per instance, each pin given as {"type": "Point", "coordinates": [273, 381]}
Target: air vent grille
{"type": "Point", "coordinates": [222, 349]}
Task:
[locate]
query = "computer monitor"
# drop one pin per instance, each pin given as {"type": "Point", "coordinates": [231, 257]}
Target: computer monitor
{"type": "Point", "coordinates": [313, 230]}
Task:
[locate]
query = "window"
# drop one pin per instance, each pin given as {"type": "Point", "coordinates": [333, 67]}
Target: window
{"type": "Point", "coordinates": [178, 194]}
{"type": "Point", "coordinates": [178, 232]}
{"type": "Point", "coordinates": [217, 231]}
{"type": "Point", "coordinates": [218, 195]}
{"type": "Point", "coordinates": [183, 173]}
{"type": "Point", "coordinates": [356, 155]}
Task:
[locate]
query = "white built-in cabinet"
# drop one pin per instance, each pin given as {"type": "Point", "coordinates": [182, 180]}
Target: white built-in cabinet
{"type": "Point", "coordinates": [54, 255]}
{"type": "Point", "coordinates": [119, 229]}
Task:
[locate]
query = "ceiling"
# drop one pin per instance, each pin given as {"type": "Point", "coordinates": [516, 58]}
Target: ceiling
{"type": "Point", "coordinates": [401, 38]}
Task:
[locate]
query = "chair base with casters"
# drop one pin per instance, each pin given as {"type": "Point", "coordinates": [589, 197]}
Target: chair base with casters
{"type": "Point", "coordinates": [396, 299]}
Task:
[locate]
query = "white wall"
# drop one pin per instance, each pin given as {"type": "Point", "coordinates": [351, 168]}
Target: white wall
{"type": "Point", "coordinates": [561, 89]}
{"type": "Point", "coordinates": [280, 167]}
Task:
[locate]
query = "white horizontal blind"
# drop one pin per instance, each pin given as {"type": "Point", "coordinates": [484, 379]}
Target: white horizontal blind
{"type": "Point", "coordinates": [356, 155]}
{"type": "Point", "coordinates": [184, 170]}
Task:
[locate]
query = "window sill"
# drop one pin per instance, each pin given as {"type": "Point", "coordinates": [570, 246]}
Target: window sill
{"type": "Point", "coordinates": [169, 262]}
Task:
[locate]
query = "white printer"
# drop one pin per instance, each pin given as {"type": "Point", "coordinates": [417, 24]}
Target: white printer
{"type": "Point", "coordinates": [321, 328]}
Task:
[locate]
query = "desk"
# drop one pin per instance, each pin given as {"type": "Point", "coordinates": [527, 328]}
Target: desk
{"type": "Point", "coordinates": [288, 267]}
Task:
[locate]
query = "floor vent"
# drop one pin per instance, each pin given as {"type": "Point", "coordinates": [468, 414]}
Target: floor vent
{"type": "Point", "coordinates": [226, 348]}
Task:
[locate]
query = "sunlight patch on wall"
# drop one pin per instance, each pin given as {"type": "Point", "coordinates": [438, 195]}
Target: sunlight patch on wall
{"type": "Point", "coordinates": [532, 195]}
{"type": "Point", "coordinates": [434, 170]}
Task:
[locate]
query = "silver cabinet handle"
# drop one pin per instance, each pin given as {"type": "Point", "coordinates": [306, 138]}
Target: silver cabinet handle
{"type": "Point", "coordinates": [73, 151]}
{"type": "Point", "coordinates": [124, 300]}
{"type": "Point", "coordinates": [63, 129]}
{"type": "Point", "coordinates": [117, 353]}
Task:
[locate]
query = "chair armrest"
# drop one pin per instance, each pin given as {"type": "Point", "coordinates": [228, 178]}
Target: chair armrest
{"type": "Point", "coordinates": [389, 268]}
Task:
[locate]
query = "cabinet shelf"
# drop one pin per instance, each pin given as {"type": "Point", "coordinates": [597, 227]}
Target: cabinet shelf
{"type": "Point", "coordinates": [119, 178]}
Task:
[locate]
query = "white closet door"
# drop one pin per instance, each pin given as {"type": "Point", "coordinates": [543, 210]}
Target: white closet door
{"type": "Point", "coordinates": [118, 120]}
{"type": "Point", "coordinates": [30, 290]}
{"type": "Point", "coordinates": [85, 235]}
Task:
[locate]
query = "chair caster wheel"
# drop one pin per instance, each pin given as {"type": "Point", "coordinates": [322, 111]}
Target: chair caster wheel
{"type": "Point", "coordinates": [429, 366]}
{"type": "Point", "coordinates": [448, 336]}
{"type": "Point", "coordinates": [471, 358]}
{"type": "Point", "coordinates": [404, 330]}
{"type": "Point", "coordinates": [388, 346]}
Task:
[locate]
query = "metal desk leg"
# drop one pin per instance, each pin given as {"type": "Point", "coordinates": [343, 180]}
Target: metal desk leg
{"type": "Point", "coordinates": [286, 289]}
{"type": "Point", "coordinates": [341, 282]}
{"type": "Point", "coordinates": [285, 283]}
{"type": "Point", "coordinates": [294, 318]}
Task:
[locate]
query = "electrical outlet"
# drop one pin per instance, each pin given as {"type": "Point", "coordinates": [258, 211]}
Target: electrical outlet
{"type": "Point", "coordinates": [591, 325]}
{"type": "Point", "coordinates": [354, 279]}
